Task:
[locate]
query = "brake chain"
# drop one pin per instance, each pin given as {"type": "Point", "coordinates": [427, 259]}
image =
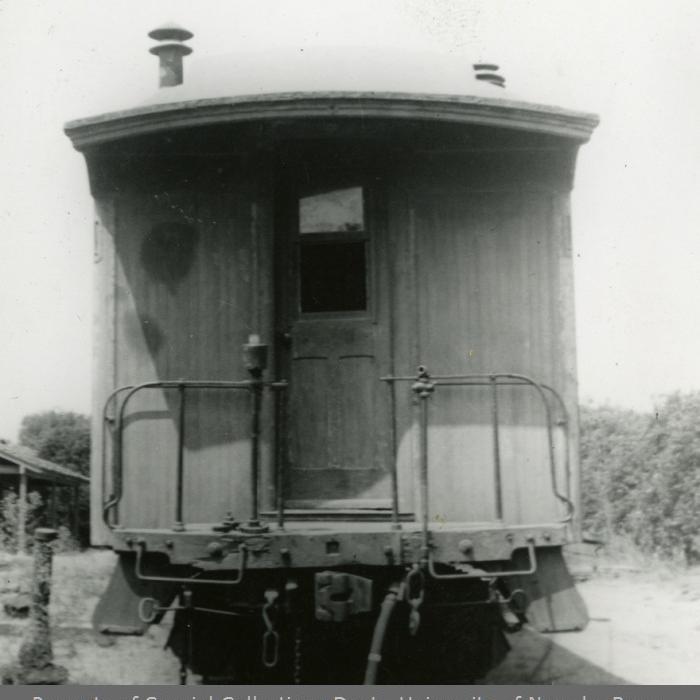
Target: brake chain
{"type": "Point", "coordinates": [270, 638]}
{"type": "Point", "coordinates": [415, 594]}
{"type": "Point", "coordinates": [297, 656]}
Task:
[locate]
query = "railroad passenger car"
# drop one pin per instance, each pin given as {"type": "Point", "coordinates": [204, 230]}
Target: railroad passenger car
{"type": "Point", "coordinates": [335, 382]}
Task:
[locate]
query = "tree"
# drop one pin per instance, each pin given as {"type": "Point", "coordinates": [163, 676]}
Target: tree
{"type": "Point", "coordinates": [641, 475]}
{"type": "Point", "coordinates": [612, 466]}
{"type": "Point", "coordinates": [59, 436]}
{"type": "Point", "coordinates": [670, 501]}
{"type": "Point", "coordinates": [62, 437]}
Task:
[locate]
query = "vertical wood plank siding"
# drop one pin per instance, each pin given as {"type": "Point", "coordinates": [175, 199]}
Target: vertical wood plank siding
{"type": "Point", "coordinates": [488, 287]}
{"type": "Point", "coordinates": [471, 279]}
{"type": "Point", "coordinates": [103, 353]}
{"type": "Point", "coordinates": [190, 324]}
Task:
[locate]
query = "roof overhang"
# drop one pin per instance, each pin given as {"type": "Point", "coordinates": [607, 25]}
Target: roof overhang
{"type": "Point", "coordinates": [39, 469]}
{"type": "Point", "coordinates": [468, 110]}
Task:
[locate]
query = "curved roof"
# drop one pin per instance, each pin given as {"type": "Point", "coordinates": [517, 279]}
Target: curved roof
{"type": "Point", "coordinates": [337, 81]}
{"type": "Point", "coordinates": [319, 69]}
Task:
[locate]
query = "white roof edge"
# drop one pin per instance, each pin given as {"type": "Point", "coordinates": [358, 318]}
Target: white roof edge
{"type": "Point", "coordinates": [487, 111]}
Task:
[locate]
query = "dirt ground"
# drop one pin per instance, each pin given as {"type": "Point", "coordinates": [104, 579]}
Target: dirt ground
{"type": "Point", "coordinates": [644, 629]}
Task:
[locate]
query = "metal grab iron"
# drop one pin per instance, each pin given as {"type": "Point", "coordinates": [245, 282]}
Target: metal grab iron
{"type": "Point", "coordinates": [149, 609]}
{"type": "Point", "coordinates": [482, 574]}
{"type": "Point", "coordinates": [242, 550]}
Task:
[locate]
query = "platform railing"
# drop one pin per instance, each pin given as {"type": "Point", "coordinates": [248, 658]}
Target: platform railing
{"type": "Point", "coordinates": [424, 385]}
{"type": "Point", "coordinates": [115, 416]}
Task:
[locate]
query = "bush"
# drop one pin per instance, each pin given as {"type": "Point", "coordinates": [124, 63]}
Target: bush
{"type": "Point", "coordinates": [9, 519]}
{"type": "Point", "coordinates": [612, 466]}
{"type": "Point", "coordinates": [641, 476]}
{"type": "Point", "coordinates": [670, 501]}
{"type": "Point", "coordinates": [63, 437]}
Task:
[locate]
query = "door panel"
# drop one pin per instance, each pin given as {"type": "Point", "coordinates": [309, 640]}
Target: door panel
{"type": "Point", "coordinates": [334, 352]}
{"type": "Point", "coordinates": [338, 421]}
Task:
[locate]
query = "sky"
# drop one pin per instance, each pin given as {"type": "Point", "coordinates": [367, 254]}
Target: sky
{"type": "Point", "coordinates": [635, 206]}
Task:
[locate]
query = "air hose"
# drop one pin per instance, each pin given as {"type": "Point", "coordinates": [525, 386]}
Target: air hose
{"type": "Point", "coordinates": [375, 651]}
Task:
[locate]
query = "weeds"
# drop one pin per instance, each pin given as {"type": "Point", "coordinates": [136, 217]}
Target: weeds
{"type": "Point", "coordinates": [9, 519]}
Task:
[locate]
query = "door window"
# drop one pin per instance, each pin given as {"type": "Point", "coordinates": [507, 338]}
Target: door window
{"type": "Point", "coordinates": [333, 211]}
{"type": "Point", "coordinates": [333, 265]}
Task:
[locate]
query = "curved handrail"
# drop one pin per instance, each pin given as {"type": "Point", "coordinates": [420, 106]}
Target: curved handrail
{"type": "Point", "coordinates": [550, 439]}
{"type": "Point", "coordinates": [166, 384]}
{"type": "Point", "coordinates": [519, 380]}
{"type": "Point", "coordinates": [112, 502]}
{"type": "Point", "coordinates": [564, 424]}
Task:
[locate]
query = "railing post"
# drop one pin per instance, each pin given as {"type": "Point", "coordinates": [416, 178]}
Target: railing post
{"type": "Point", "coordinates": [423, 388]}
{"type": "Point", "coordinates": [255, 359]}
{"type": "Point", "coordinates": [118, 467]}
{"type": "Point", "coordinates": [496, 448]}
{"type": "Point", "coordinates": [180, 477]}
{"type": "Point", "coordinates": [394, 484]}
{"type": "Point", "coordinates": [279, 389]}
{"type": "Point", "coordinates": [112, 425]}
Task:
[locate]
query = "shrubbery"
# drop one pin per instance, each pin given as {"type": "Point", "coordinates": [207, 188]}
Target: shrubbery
{"type": "Point", "coordinates": [9, 518]}
{"type": "Point", "coordinates": [64, 438]}
{"type": "Point", "coordinates": [641, 476]}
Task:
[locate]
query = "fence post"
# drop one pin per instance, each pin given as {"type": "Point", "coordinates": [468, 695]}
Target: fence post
{"type": "Point", "coordinates": [36, 665]}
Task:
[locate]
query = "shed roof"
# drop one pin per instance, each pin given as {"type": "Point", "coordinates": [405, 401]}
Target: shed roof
{"type": "Point", "coordinates": [20, 457]}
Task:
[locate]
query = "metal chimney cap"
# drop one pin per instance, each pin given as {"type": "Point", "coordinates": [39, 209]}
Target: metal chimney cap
{"type": "Point", "coordinates": [170, 31]}
{"type": "Point", "coordinates": [170, 51]}
{"type": "Point", "coordinates": [486, 72]}
{"type": "Point", "coordinates": [175, 46]}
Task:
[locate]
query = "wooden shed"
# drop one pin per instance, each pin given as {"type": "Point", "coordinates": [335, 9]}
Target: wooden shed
{"type": "Point", "coordinates": [23, 471]}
